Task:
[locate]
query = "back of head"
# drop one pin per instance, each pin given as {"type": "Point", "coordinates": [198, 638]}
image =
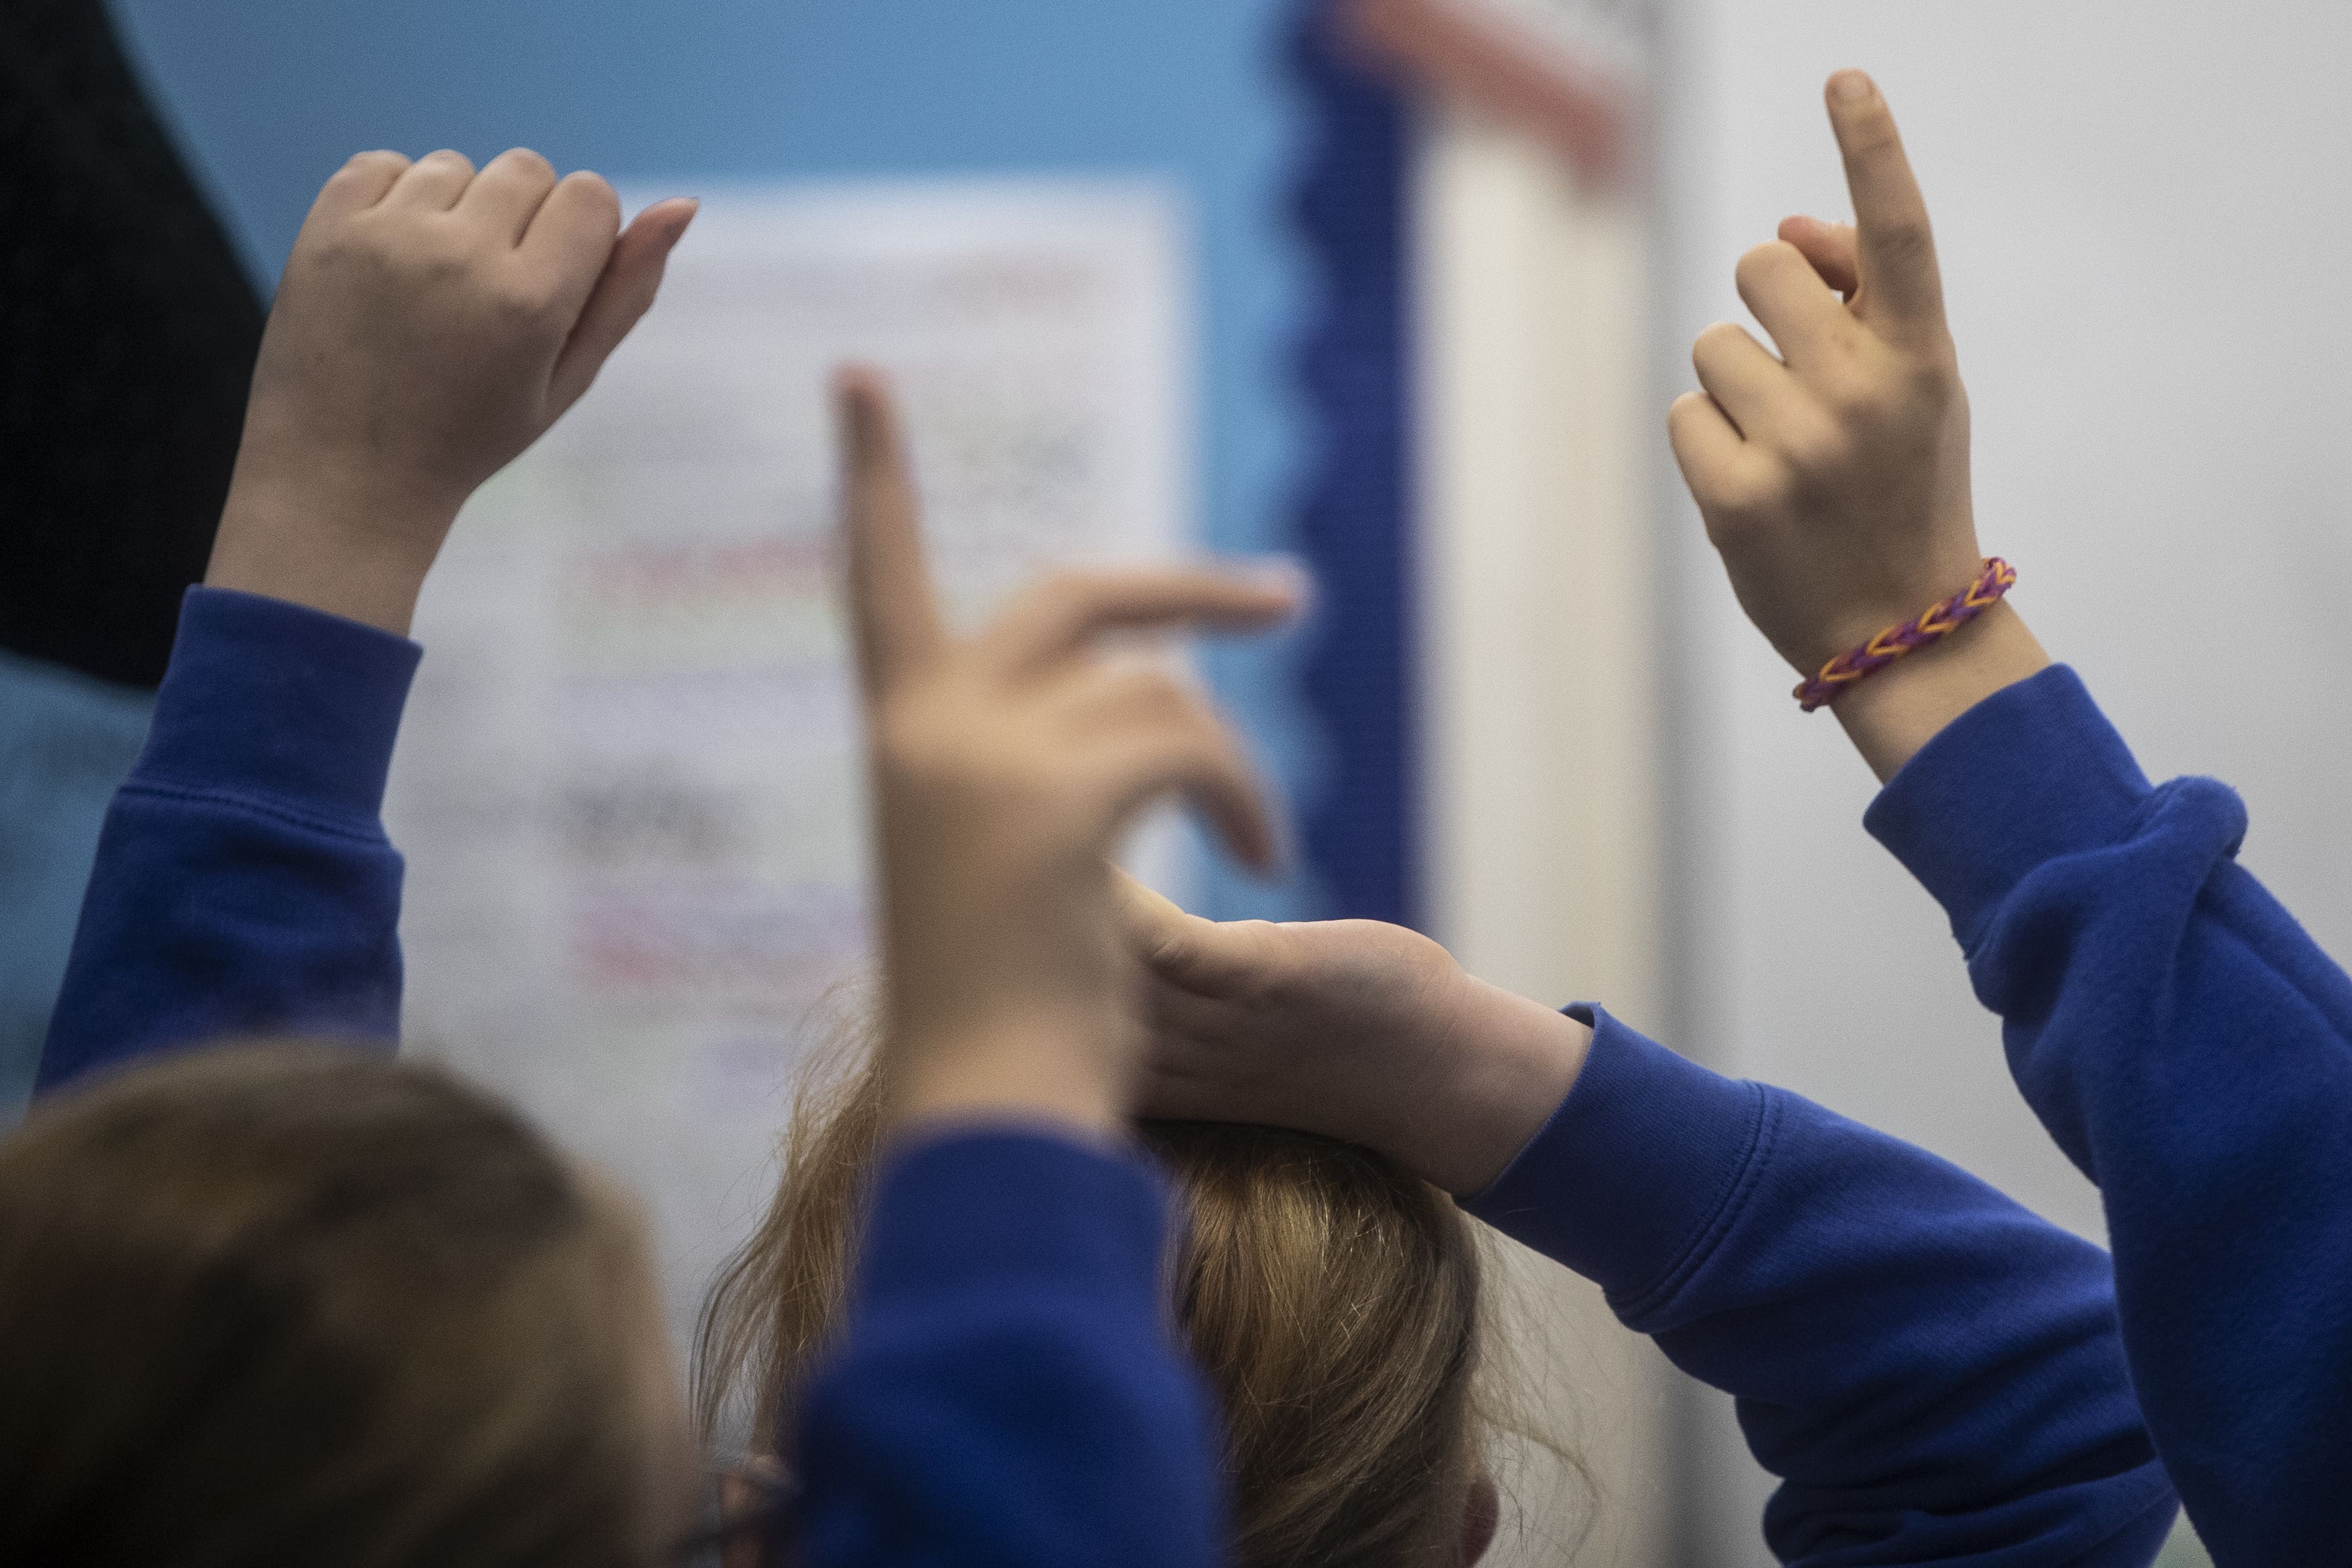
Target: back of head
{"type": "Point", "coordinates": [1331, 1299]}
{"type": "Point", "coordinates": [285, 1305]}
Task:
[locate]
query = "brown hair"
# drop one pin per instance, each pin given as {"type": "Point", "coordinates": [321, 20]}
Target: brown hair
{"type": "Point", "coordinates": [287, 1305]}
{"type": "Point", "coordinates": [1332, 1299]}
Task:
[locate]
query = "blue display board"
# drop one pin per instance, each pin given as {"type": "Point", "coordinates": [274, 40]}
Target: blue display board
{"type": "Point", "coordinates": [1354, 513]}
{"type": "Point", "coordinates": [1220, 97]}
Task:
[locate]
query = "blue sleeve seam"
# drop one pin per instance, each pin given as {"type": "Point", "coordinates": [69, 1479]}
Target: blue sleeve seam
{"type": "Point", "coordinates": [357, 830]}
{"type": "Point", "coordinates": [1692, 1252]}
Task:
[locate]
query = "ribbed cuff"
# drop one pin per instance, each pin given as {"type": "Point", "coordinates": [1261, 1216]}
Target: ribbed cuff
{"type": "Point", "coordinates": [266, 698]}
{"type": "Point", "coordinates": [1008, 1208]}
{"type": "Point", "coordinates": [2030, 773]}
{"type": "Point", "coordinates": [1637, 1172]}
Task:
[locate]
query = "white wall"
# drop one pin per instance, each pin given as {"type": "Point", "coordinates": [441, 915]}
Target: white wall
{"type": "Point", "coordinates": [2146, 230]}
{"type": "Point", "coordinates": [1542, 795]}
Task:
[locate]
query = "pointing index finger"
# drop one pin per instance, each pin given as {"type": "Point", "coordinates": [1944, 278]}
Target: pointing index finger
{"type": "Point", "coordinates": [1899, 285]}
{"type": "Point", "coordinates": [892, 610]}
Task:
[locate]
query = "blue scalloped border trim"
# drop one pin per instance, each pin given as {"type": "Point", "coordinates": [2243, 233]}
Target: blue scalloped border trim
{"type": "Point", "coordinates": [1354, 524]}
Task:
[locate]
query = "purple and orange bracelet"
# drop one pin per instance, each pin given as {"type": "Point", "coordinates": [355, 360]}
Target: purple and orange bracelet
{"type": "Point", "coordinates": [1938, 621]}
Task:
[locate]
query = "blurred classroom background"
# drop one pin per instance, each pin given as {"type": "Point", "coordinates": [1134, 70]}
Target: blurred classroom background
{"type": "Point", "coordinates": [1401, 286]}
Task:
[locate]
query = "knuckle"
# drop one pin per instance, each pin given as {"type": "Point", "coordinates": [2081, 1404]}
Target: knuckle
{"type": "Point", "coordinates": [1747, 492]}
{"type": "Point", "coordinates": [597, 191]}
{"type": "Point", "coordinates": [1160, 692]}
{"type": "Point", "coordinates": [1714, 343]}
{"type": "Point", "coordinates": [366, 248]}
{"type": "Point", "coordinates": [1855, 395]}
{"type": "Point", "coordinates": [1931, 380]}
{"type": "Point", "coordinates": [1816, 446]}
{"type": "Point", "coordinates": [1717, 335]}
{"type": "Point", "coordinates": [1759, 263]}
{"type": "Point", "coordinates": [522, 298]}
{"type": "Point", "coordinates": [1685, 419]}
{"type": "Point", "coordinates": [1904, 241]}
{"type": "Point", "coordinates": [1870, 135]}
{"type": "Point", "coordinates": [432, 259]}
{"type": "Point", "coordinates": [528, 161]}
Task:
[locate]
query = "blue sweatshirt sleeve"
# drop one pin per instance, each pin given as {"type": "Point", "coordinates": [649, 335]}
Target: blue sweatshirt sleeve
{"type": "Point", "coordinates": [1007, 1391]}
{"type": "Point", "coordinates": [1933, 1372]}
{"type": "Point", "coordinates": [2190, 1049]}
{"type": "Point", "coordinates": [243, 883]}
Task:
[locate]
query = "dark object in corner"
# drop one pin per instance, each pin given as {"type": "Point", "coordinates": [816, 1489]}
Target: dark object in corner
{"type": "Point", "coordinates": [128, 331]}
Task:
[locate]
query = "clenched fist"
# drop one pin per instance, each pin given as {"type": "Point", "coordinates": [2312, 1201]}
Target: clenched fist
{"type": "Point", "coordinates": [432, 323]}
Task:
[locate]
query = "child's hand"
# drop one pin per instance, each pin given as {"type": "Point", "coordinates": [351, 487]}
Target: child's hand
{"type": "Point", "coordinates": [1834, 478]}
{"type": "Point", "coordinates": [1005, 768]}
{"type": "Point", "coordinates": [432, 323]}
{"type": "Point", "coordinates": [1352, 1028]}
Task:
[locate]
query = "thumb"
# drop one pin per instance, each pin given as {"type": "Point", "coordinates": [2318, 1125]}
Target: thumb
{"type": "Point", "coordinates": [1176, 946]}
{"type": "Point", "coordinates": [631, 279]}
{"type": "Point", "coordinates": [1830, 249]}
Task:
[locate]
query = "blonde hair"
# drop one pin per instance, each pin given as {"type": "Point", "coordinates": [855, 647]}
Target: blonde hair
{"type": "Point", "coordinates": [1332, 1299]}
{"type": "Point", "coordinates": [287, 1304]}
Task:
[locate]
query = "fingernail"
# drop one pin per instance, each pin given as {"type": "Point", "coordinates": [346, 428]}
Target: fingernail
{"type": "Point", "coordinates": [1850, 86]}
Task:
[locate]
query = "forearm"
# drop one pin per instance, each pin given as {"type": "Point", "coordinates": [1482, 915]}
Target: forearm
{"type": "Point", "coordinates": [1006, 1390]}
{"type": "Point", "coordinates": [1036, 1066]}
{"type": "Point", "coordinates": [243, 883]}
{"type": "Point", "coordinates": [2190, 1049]}
{"type": "Point", "coordinates": [1933, 1372]}
{"type": "Point", "coordinates": [1508, 1059]}
{"type": "Point", "coordinates": [350, 545]}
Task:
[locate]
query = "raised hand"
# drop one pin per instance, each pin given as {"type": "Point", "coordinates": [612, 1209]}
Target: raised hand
{"type": "Point", "coordinates": [1833, 477]}
{"type": "Point", "coordinates": [1353, 1029]}
{"type": "Point", "coordinates": [432, 323]}
{"type": "Point", "coordinates": [1004, 767]}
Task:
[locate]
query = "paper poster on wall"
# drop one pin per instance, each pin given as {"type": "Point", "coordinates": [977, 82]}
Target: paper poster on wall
{"type": "Point", "coordinates": [629, 785]}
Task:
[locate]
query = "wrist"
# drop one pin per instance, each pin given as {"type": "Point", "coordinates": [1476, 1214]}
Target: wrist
{"type": "Point", "coordinates": [1892, 599]}
{"type": "Point", "coordinates": [1040, 1072]}
{"type": "Point", "coordinates": [1508, 1063]}
{"type": "Point", "coordinates": [334, 547]}
{"type": "Point", "coordinates": [1897, 710]}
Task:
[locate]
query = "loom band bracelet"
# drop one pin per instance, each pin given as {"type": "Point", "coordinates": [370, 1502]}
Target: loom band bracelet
{"type": "Point", "coordinates": [1935, 623]}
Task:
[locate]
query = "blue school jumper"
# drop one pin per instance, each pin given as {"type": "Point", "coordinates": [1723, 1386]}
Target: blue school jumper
{"type": "Point", "coordinates": [2190, 1049]}
{"type": "Point", "coordinates": [1935, 1374]}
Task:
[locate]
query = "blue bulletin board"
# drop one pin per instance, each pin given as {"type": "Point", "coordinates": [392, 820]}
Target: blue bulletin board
{"type": "Point", "coordinates": [1289, 160]}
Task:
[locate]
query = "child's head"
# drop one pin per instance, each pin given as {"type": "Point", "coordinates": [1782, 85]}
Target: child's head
{"type": "Point", "coordinates": [1332, 1299]}
{"type": "Point", "coordinates": [284, 1304]}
